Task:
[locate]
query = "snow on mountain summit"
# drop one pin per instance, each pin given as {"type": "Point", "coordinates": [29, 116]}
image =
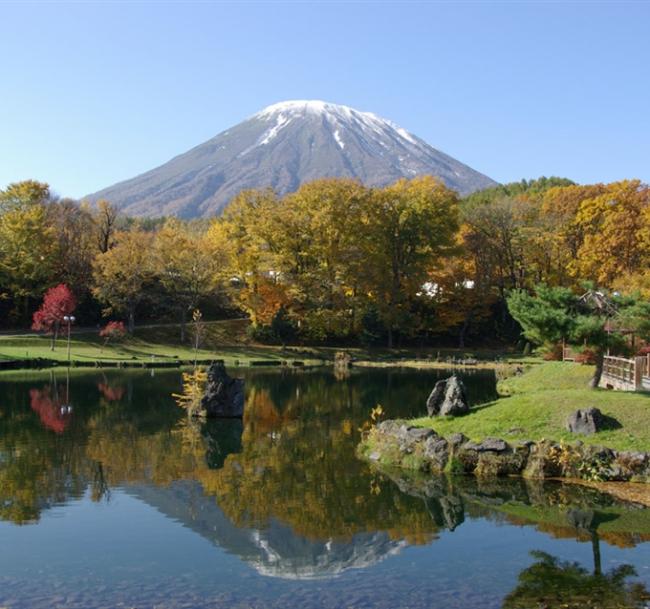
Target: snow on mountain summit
{"type": "Point", "coordinates": [282, 146]}
{"type": "Point", "coordinates": [306, 106]}
{"type": "Point", "coordinates": [346, 117]}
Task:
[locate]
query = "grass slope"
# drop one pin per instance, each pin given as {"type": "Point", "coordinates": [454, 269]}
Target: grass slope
{"type": "Point", "coordinates": [224, 340]}
{"type": "Point", "coordinates": [536, 405]}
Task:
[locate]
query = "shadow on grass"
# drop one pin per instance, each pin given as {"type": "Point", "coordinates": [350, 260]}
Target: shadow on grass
{"type": "Point", "coordinates": [484, 406]}
{"type": "Point", "coordinates": [609, 423]}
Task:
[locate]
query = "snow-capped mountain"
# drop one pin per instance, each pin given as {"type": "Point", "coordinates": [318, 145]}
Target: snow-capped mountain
{"type": "Point", "coordinates": [283, 146]}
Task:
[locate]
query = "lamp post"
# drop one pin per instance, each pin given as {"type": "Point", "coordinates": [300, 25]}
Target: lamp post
{"type": "Point", "coordinates": [69, 319]}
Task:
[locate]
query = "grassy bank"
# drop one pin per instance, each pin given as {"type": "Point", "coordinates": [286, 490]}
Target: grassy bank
{"type": "Point", "coordinates": [536, 405]}
{"type": "Point", "coordinates": [227, 340]}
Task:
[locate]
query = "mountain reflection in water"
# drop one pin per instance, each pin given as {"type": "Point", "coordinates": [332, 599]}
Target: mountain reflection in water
{"type": "Point", "coordinates": [282, 489]}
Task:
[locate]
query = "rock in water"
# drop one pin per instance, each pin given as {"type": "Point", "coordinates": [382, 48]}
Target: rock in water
{"type": "Point", "coordinates": [448, 398]}
{"type": "Point", "coordinates": [224, 396]}
{"type": "Point", "coordinates": [586, 421]}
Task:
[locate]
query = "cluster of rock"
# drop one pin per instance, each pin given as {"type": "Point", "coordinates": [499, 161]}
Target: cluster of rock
{"type": "Point", "coordinates": [448, 398]}
{"type": "Point", "coordinates": [590, 421]}
{"type": "Point", "coordinates": [397, 443]}
{"type": "Point", "coordinates": [224, 396]}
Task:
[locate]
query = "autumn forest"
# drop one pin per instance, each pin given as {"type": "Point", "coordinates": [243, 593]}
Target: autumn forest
{"type": "Point", "coordinates": [332, 263]}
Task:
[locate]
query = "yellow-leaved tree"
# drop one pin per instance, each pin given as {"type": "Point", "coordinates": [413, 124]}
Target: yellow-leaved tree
{"type": "Point", "coordinates": [28, 247]}
{"type": "Point", "coordinates": [121, 274]}
{"type": "Point", "coordinates": [185, 266]}
{"type": "Point", "coordinates": [409, 227]}
{"type": "Point", "coordinates": [616, 229]}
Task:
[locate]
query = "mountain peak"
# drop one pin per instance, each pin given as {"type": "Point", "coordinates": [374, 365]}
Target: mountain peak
{"type": "Point", "coordinates": [310, 106]}
{"type": "Point", "coordinates": [283, 146]}
{"type": "Point", "coordinates": [333, 112]}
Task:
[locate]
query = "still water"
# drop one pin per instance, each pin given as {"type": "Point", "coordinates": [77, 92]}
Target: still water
{"type": "Point", "coordinates": [110, 498]}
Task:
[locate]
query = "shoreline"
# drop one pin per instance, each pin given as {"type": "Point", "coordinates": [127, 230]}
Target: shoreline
{"type": "Point", "coordinates": [45, 364]}
{"type": "Point", "coordinates": [397, 444]}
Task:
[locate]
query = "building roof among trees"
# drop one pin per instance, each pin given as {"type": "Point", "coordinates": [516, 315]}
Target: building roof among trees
{"type": "Point", "coordinates": [598, 302]}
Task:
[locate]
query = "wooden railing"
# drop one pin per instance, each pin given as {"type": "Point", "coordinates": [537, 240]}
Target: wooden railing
{"type": "Point", "coordinates": [619, 368]}
{"type": "Point", "coordinates": [646, 365]}
{"type": "Point", "coordinates": [626, 374]}
{"type": "Point", "coordinates": [568, 354]}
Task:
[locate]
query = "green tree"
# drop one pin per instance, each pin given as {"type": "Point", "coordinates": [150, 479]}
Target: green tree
{"type": "Point", "coordinates": [555, 314]}
{"type": "Point", "coordinates": [546, 317]}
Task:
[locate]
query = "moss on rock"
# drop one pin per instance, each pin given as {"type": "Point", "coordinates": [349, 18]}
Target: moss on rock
{"type": "Point", "coordinates": [399, 444]}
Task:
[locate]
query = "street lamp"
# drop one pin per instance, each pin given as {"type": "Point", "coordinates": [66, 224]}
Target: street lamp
{"type": "Point", "coordinates": [69, 319]}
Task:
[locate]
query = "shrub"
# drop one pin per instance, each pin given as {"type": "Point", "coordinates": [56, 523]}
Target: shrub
{"type": "Point", "coordinates": [281, 330]}
{"type": "Point", "coordinates": [113, 330]}
{"type": "Point", "coordinates": [553, 353]}
{"type": "Point", "coordinates": [586, 356]}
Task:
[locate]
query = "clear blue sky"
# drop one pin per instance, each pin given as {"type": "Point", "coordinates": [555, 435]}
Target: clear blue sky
{"type": "Point", "coordinates": [93, 93]}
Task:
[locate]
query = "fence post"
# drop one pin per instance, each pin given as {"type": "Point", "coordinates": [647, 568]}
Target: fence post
{"type": "Point", "coordinates": [639, 365]}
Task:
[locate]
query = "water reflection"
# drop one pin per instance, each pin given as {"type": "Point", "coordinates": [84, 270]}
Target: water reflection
{"type": "Point", "coordinates": [555, 584]}
{"type": "Point", "coordinates": [52, 403]}
{"type": "Point", "coordinates": [281, 489]}
{"type": "Point", "coordinates": [111, 391]}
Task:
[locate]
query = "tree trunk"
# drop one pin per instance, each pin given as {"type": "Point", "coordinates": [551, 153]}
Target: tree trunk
{"type": "Point", "coordinates": [463, 331]}
{"type": "Point", "coordinates": [131, 321]}
{"type": "Point", "coordinates": [183, 321]}
{"type": "Point", "coordinates": [353, 313]}
{"type": "Point", "coordinates": [26, 308]}
{"type": "Point", "coordinates": [55, 335]}
{"type": "Point", "coordinates": [390, 337]}
{"type": "Point", "coordinates": [595, 379]}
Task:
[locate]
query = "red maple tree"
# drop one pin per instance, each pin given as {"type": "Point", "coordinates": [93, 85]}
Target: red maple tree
{"type": "Point", "coordinates": [58, 302]}
{"type": "Point", "coordinates": [113, 330]}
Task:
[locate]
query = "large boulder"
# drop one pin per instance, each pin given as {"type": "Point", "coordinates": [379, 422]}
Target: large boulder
{"type": "Point", "coordinates": [224, 396]}
{"type": "Point", "coordinates": [586, 421]}
{"type": "Point", "coordinates": [448, 398]}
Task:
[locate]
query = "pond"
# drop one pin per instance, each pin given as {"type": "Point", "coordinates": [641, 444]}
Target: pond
{"type": "Point", "coordinates": [110, 498]}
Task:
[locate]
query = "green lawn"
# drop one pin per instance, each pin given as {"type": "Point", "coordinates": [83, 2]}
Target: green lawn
{"type": "Point", "coordinates": [226, 340]}
{"type": "Point", "coordinates": [536, 404]}
{"type": "Point", "coordinates": [222, 340]}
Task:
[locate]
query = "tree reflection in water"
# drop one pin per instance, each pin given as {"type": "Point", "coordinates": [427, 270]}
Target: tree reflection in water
{"type": "Point", "coordinates": [550, 583]}
{"type": "Point", "coordinates": [288, 467]}
{"type": "Point", "coordinates": [53, 404]}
